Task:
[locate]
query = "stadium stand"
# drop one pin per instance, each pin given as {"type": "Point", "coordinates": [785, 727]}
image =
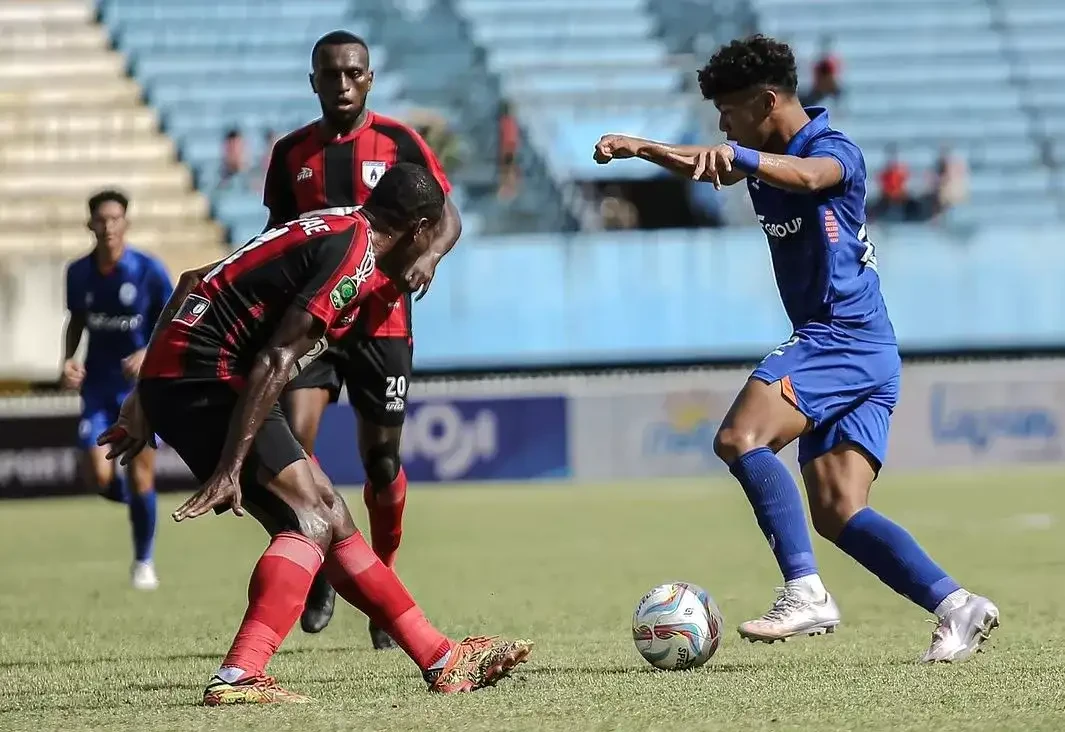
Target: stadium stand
{"type": "Point", "coordinates": [928, 92]}
{"type": "Point", "coordinates": [575, 70]}
{"type": "Point", "coordinates": [209, 67]}
{"type": "Point", "coordinates": [71, 123]}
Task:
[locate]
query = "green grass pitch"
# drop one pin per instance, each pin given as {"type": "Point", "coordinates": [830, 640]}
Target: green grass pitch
{"type": "Point", "coordinates": [563, 565]}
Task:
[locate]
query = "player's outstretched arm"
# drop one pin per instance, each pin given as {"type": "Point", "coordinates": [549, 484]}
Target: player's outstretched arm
{"type": "Point", "coordinates": [787, 172]}
{"type": "Point", "coordinates": [679, 159]}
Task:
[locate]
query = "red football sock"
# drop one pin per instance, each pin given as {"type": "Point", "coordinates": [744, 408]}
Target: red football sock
{"type": "Point", "coordinates": [276, 596]}
{"type": "Point", "coordinates": [385, 508]}
{"type": "Point", "coordinates": [361, 579]}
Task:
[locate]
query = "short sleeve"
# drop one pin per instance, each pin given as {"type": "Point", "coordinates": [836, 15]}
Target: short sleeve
{"type": "Point", "coordinates": [162, 287]}
{"type": "Point", "coordinates": [340, 263]}
{"type": "Point", "coordinates": [278, 196]}
{"type": "Point", "coordinates": [75, 296]}
{"type": "Point", "coordinates": [433, 164]}
{"type": "Point", "coordinates": [845, 152]}
{"type": "Point", "coordinates": [412, 148]}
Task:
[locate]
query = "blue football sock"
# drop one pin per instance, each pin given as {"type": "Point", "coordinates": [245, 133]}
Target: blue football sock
{"type": "Point", "coordinates": [142, 518]}
{"type": "Point", "coordinates": [778, 507]}
{"type": "Point", "coordinates": [888, 551]}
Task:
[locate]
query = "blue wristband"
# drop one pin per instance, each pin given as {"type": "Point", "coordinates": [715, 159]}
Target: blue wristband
{"type": "Point", "coordinates": [745, 158]}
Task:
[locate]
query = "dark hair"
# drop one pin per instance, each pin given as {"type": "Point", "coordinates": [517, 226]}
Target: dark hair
{"type": "Point", "coordinates": [755, 61]}
{"type": "Point", "coordinates": [98, 199]}
{"type": "Point", "coordinates": [405, 193]}
{"type": "Point", "coordinates": [337, 38]}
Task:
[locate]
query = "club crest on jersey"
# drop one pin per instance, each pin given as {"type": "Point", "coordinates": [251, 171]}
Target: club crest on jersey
{"type": "Point", "coordinates": [127, 293]}
{"type": "Point", "coordinates": [304, 174]}
{"type": "Point", "coordinates": [192, 309]}
{"type": "Point", "coordinates": [345, 291]}
{"type": "Point", "coordinates": [372, 170]}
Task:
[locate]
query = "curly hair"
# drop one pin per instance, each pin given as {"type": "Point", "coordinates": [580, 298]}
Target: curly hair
{"type": "Point", "coordinates": [755, 61]}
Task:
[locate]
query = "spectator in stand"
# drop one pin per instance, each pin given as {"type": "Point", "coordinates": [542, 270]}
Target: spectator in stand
{"type": "Point", "coordinates": [826, 77]}
{"type": "Point", "coordinates": [616, 211]}
{"type": "Point", "coordinates": [950, 182]}
{"type": "Point", "coordinates": [895, 202]}
{"type": "Point", "coordinates": [509, 139]}
{"type": "Point", "coordinates": [234, 157]}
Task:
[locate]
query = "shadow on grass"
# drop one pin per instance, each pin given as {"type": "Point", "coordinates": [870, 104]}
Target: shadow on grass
{"type": "Point", "coordinates": [66, 663]}
{"type": "Point", "coordinates": [550, 670]}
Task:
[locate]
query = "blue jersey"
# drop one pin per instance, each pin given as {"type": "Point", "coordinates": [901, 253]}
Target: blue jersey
{"type": "Point", "coordinates": [824, 263]}
{"type": "Point", "coordinates": [120, 309]}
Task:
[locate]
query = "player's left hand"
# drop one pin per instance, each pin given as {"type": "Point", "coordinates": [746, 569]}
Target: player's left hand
{"type": "Point", "coordinates": [420, 274]}
{"type": "Point", "coordinates": [221, 489]}
{"type": "Point", "coordinates": [711, 164]}
{"type": "Point", "coordinates": [131, 364]}
{"type": "Point", "coordinates": [130, 434]}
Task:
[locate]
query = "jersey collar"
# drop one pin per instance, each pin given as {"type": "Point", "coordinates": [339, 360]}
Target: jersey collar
{"type": "Point", "coordinates": [325, 138]}
{"type": "Point", "coordinates": [818, 123]}
{"type": "Point", "coordinates": [119, 264]}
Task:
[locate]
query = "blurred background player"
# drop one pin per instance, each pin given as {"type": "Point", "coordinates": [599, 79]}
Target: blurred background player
{"type": "Point", "coordinates": [333, 164]}
{"type": "Point", "coordinates": [228, 341]}
{"type": "Point", "coordinates": [116, 293]}
{"type": "Point", "coordinates": [834, 384]}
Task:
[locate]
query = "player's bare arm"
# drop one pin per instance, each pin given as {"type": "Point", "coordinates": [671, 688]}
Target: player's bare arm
{"type": "Point", "coordinates": [420, 274]}
{"type": "Point", "coordinates": [73, 372]}
{"type": "Point", "coordinates": [798, 175]}
{"type": "Point", "coordinates": [298, 332]}
{"type": "Point", "coordinates": [679, 159]}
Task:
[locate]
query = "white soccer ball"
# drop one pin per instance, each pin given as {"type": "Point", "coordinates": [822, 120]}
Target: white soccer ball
{"type": "Point", "coordinates": [677, 626]}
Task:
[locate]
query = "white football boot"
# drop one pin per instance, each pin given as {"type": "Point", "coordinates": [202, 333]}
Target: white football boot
{"type": "Point", "coordinates": [796, 611]}
{"type": "Point", "coordinates": [962, 629]}
{"type": "Point", "coordinates": [143, 576]}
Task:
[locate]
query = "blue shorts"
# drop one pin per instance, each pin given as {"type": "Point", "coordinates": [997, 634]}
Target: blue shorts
{"type": "Point", "coordinates": [99, 410]}
{"type": "Point", "coordinates": [847, 387]}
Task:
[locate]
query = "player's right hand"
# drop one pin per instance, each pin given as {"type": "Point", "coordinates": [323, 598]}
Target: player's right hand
{"type": "Point", "coordinates": [221, 489]}
{"type": "Point", "coordinates": [130, 434]}
{"type": "Point", "coordinates": [614, 147]}
{"type": "Point", "coordinates": [73, 374]}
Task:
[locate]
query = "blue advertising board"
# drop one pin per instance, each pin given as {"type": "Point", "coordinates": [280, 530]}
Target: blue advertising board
{"type": "Point", "coordinates": [520, 438]}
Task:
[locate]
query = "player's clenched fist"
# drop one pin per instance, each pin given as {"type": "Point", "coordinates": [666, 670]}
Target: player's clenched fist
{"type": "Point", "coordinates": [615, 147]}
{"type": "Point", "coordinates": [73, 375]}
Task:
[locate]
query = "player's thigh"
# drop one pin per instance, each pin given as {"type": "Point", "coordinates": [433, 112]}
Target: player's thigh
{"type": "Point", "coordinates": [837, 485]}
{"type": "Point", "coordinates": [841, 459]}
{"type": "Point", "coordinates": [291, 491]}
{"type": "Point", "coordinates": [306, 397]}
{"type": "Point", "coordinates": [190, 417]}
{"type": "Point", "coordinates": [96, 469]}
{"type": "Point", "coordinates": [760, 416]}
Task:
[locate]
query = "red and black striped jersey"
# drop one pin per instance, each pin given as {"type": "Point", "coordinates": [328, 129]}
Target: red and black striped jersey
{"type": "Point", "coordinates": [321, 264]}
{"type": "Point", "coordinates": [311, 172]}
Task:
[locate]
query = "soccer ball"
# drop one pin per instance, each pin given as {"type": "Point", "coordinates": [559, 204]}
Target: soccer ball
{"type": "Point", "coordinates": [676, 626]}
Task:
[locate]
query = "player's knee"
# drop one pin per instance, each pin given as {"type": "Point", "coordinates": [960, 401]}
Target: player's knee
{"type": "Point", "coordinates": [382, 464]}
{"type": "Point", "coordinates": [731, 442]}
